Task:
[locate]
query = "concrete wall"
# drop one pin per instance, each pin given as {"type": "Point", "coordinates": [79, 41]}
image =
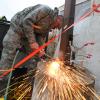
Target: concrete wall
{"type": "Point", "coordinates": [88, 30]}
{"type": "Point", "coordinates": [80, 1]}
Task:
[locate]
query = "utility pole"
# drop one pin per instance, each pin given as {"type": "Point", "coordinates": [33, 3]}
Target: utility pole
{"type": "Point", "coordinates": [69, 13]}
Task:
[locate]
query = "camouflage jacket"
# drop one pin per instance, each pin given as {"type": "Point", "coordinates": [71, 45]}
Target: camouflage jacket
{"type": "Point", "coordinates": [40, 15]}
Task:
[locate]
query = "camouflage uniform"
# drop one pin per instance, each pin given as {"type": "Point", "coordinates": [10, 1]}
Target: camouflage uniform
{"type": "Point", "coordinates": [22, 33]}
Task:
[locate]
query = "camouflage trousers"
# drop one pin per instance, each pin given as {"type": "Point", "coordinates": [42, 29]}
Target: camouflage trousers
{"type": "Point", "coordinates": [10, 43]}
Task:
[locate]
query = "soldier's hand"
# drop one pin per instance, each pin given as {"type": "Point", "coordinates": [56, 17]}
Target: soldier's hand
{"type": "Point", "coordinates": [34, 46]}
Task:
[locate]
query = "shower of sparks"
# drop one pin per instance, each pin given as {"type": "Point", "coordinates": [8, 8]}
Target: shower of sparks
{"type": "Point", "coordinates": [20, 87]}
{"type": "Point", "coordinates": [56, 81]}
{"type": "Point", "coordinates": [53, 81]}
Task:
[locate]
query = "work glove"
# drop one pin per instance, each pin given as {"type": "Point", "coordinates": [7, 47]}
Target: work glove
{"type": "Point", "coordinates": [35, 46]}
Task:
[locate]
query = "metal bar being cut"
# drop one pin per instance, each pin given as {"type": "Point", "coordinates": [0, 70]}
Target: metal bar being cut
{"type": "Point", "coordinates": [69, 13]}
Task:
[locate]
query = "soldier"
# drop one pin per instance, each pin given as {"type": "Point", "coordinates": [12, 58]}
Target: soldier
{"type": "Point", "coordinates": [28, 29]}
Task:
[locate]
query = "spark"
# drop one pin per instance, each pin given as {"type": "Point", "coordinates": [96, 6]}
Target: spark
{"type": "Point", "coordinates": [56, 81]}
{"type": "Point", "coordinates": [53, 68]}
{"type": "Point", "coordinates": [20, 87]}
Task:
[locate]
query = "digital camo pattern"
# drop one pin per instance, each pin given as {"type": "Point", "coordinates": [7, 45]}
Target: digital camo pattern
{"type": "Point", "coordinates": [22, 32]}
